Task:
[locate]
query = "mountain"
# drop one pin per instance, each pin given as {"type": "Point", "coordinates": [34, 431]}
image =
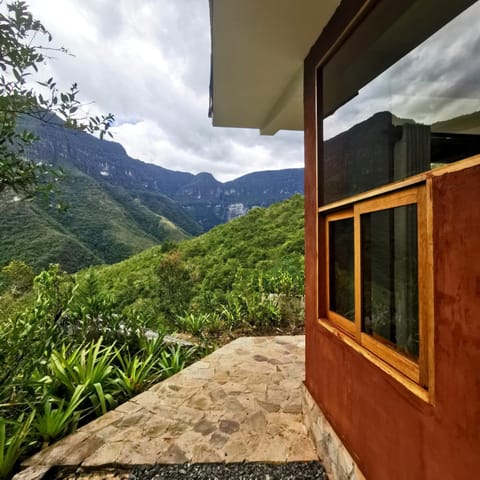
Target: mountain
{"type": "Point", "coordinates": [118, 206]}
{"type": "Point", "coordinates": [100, 225]}
{"type": "Point", "coordinates": [211, 202]}
{"type": "Point", "coordinates": [205, 201]}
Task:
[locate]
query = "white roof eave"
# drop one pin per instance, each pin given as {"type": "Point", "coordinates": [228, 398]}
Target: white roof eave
{"type": "Point", "coordinates": [258, 49]}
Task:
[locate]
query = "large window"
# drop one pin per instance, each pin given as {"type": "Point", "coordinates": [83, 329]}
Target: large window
{"type": "Point", "coordinates": [374, 251]}
{"type": "Point", "coordinates": [399, 96]}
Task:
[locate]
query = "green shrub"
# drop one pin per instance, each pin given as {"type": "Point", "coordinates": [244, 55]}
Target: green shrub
{"type": "Point", "coordinates": [232, 313]}
{"type": "Point", "coordinates": [57, 417]}
{"type": "Point", "coordinates": [263, 312]}
{"type": "Point", "coordinates": [90, 366]}
{"type": "Point", "coordinates": [83, 365]}
{"type": "Point", "coordinates": [14, 441]}
{"type": "Point", "coordinates": [16, 277]}
{"type": "Point", "coordinates": [135, 374]}
{"type": "Point", "coordinates": [174, 358]}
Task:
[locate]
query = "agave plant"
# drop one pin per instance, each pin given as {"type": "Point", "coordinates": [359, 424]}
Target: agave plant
{"type": "Point", "coordinates": [85, 365]}
{"type": "Point", "coordinates": [90, 366]}
{"type": "Point", "coordinates": [152, 346]}
{"type": "Point", "coordinates": [53, 422]}
{"type": "Point", "coordinates": [135, 374]}
{"type": "Point", "coordinates": [231, 313]}
{"type": "Point", "coordinates": [200, 324]}
{"type": "Point", "coordinates": [193, 323]}
{"type": "Point", "coordinates": [174, 358]}
{"type": "Point", "coordinates": [102, 401]}
{"type": "Point", "coordinates": [13, 441]}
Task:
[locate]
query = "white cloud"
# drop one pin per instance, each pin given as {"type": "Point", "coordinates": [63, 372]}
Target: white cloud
{"type": "Point", "coordinates": [436, 81]}
{"type": "Point", "coordinates": [148, 62]}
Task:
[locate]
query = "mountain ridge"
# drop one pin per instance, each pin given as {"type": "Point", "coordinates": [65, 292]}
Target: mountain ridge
{"type": "Point", "coordinates": [119, 205]}
{"type": "Point", "coordinates": [202, 196]}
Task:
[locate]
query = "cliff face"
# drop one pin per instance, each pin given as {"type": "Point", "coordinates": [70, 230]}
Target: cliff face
{"type": "Point", "coordinates": [118, 206]}
{"type": "Point", "coordinates": [203, 201]}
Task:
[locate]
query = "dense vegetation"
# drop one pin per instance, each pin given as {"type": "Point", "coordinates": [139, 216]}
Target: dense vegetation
{"type": "Point", "coordinates": [252, 256]}
{"type": "Point", "coordinates": [74, 346]}
{"type": "Point", "coordinates": [24, 42]}
{"type": "Point", "coordinates": [118, 206]}
{"type": "Point", "coordinates": [101, 224]}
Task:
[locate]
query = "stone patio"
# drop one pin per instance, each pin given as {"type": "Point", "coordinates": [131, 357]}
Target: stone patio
{"type": "Point", "coordinates": [241, 403]}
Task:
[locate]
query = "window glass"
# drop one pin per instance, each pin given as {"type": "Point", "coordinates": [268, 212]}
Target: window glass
{"type": "Point", "coordinates": [341, 261]}
{"type": "Point", "coordinates": [389, 258]}
{"type": "Point", "coordinates": [420, 112]}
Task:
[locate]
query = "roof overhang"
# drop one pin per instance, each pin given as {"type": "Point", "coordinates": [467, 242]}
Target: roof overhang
{"type": "Point", "coordinates": [258, 49]}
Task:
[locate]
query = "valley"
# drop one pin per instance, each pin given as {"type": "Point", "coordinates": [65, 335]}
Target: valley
{"type": "Point", "coordinates": [116, 206]}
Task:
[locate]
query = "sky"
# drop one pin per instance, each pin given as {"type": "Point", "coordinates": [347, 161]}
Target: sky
{"type": "Point", "coordinates": [148, 62]}
{"type": "Point", "coordinates": [436, 81]}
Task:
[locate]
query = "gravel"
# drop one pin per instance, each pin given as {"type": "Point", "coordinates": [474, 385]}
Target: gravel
{"type": "Point", "coordinates": [232, 471]}
{"type": "Point", "coordinates": [207, 471]}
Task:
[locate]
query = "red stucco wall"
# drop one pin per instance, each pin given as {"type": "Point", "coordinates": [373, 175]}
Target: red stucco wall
{"type": "Point", "coordinates": [390, 432]}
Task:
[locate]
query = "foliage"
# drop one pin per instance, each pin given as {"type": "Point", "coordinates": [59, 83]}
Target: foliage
{"type": "Point", "coordinates": [194, 323]}
{"type": "Point", "coordinates": [75, 346]}
{"type": "Point", "coordinates": [17, 277]}
{"type": "Point", "coordinates": [232, 312]}
{"type": "Point", "coordinates": [174, 358]}
{"type": "Point", "coordinates": [98, 227]}
{"type": "Point", "coordinates": [51, 423]}
{"type": "Point", "coordinates": [136, 373]}
{"type": "Point", "coordinates": [64, 384]}
{"type": "Point", "coordinates": [14, 440]}
{"type": "Point", "coordinates": [226, 271]}
{"type": "Point", "coordinates": [54, 290]}
{"type": "Point", "coordinates": [175, 283]}
{"type": "Point", "coordinates": [31, 334]}
{"type": "Point", "coordinates": [85, 365]}
{"type": "Point", "coordinates": [102, 400]}
{"type": "Point", "coordinates": [20, 59]}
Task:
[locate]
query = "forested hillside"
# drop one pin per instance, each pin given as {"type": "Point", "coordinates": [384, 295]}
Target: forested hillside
{"type": "Point", "coordinates": [117, 206]}
{"type": "Point", "coordinates": [246, 259]}
{"type": "Point", "coordinates": [100, 224]}
{"type": "Point", "coordinates": [74, 346]}
{"type": "Point", "coordinates": [261, 252]}
{"type": "Point", "coordinates": [203, 198]}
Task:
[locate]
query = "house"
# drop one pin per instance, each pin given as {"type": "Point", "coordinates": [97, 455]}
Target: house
{"type": "Point", "coordinates": [388, 95]}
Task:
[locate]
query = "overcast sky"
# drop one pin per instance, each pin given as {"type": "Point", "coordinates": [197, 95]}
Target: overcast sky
{"type": "Point", "coordinates": [148, 62]}
{"type": "Point", "coordinates": [438, 80]}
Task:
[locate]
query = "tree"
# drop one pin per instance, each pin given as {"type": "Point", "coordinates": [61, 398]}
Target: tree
{"type": "Point", "coordinates": [176, 281]}
{"type": "Point", "coordinates": [18, 277]}
{"type": "Point", "coordinates": [21, 55]}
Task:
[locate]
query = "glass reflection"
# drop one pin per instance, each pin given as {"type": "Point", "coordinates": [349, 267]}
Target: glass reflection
{"type": "Point", "coordinates": [390, 277]}
{"type": "Point", "coordinates": [422, 112]}
{"type": "Point", "coordinates": [341, 261]}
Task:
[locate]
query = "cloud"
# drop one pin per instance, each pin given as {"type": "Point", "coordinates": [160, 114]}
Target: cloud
{"type": "Point", "coordinates": [436, 81]}
{"type": "Point", "coordinates": [148, 62]}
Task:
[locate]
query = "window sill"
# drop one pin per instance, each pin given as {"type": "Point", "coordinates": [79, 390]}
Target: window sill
{"type": "Point", "coordinates": [405, 382]}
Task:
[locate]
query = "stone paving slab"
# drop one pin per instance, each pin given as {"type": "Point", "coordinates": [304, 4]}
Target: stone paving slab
{"type": "Point", "coordinates": [241, 403]}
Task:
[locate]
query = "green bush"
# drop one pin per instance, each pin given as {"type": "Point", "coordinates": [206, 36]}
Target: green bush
{"type": "Point", "coordinates": [58, 417]}
{"type": "Point", "coordinates": [87, 366]}
{"type": "Point", "coordinates": [14, 441]}
{"type": "Point", "coordinates": [135, 374]}
{"type": "Point", "coordinates": [174, 358]}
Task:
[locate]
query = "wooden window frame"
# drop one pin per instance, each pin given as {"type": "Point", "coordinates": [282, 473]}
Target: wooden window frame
{"type": "Point", "coordinates": [333, 316]}
{"type": "Point", "coordinates": [418, 372]}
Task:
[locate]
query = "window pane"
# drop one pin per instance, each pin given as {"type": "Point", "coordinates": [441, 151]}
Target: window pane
{"type": "Point", "coordinates": [414, 102]}
{"type": "Point", "coordinates": [390, 277]}
{"type": "Point", "coordinates": [341, 263]}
